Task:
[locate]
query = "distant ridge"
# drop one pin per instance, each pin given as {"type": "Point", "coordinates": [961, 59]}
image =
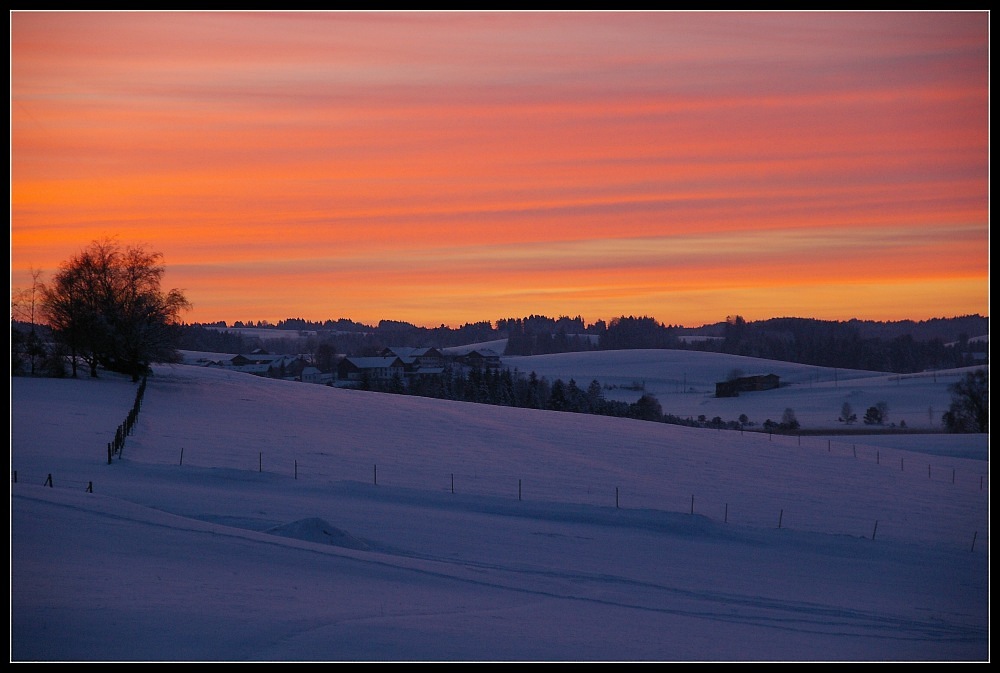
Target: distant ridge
{"type": "Point", "coordinates": [946, 329]}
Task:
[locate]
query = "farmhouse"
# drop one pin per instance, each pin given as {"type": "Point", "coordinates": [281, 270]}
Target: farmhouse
{"type": "Point", "coordinates": [417, 360]}
{"type": "Point", "coordinates": [311, 374]}
{"type": "Point", "coordinates": [265, 364]}
{"type": "Point", "coordinates": [745, 384]}
{"type": "Point", "coordinates": [423, 363]}
{"type": "Point", "coordinates": [481, 358]}
{"type": "Point", "coordinates": [382, 368]}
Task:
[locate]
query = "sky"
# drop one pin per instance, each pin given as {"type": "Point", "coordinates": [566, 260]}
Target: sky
{"type": "Point", "coordinates": [454, 167]}
{"type": "Point", "coordinates": [252, 519]}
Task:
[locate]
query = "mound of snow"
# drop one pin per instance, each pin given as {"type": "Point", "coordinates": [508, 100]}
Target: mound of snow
{"type": "Point", "coordinates": [318, 530]}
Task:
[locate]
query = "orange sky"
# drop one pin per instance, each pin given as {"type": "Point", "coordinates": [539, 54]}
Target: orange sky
{"type": "Point", "coordinates": [444, 168]}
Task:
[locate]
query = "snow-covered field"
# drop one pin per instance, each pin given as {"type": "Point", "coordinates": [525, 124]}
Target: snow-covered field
{"type": "Point", "coordinates": [264, 520]}
{"type": "Point", "coordinates": [684, 383]}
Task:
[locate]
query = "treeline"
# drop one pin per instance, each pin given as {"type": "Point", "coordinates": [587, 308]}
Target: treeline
{"type": "Point", "coordinates": [216, 340]}
{"type": "Point", "coordinates": [512, 388]}
{"type": "Point", "coordinates": [968, 412]}
{"type": "Point", "coordinates": [357, 340]}
{"type": "Point", "coordinates": [541, 335]}
{"type": "Point", "coordinates": [842, 344]}
{"type": "Point", "coordinates": [900, 347]}
{"type": "Point", "coordinates": [399, 331]}
{"type": "Point", "coordinates": [537, 335]}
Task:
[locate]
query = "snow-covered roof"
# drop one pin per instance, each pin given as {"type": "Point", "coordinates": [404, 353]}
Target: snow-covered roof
{"type": "Point", "coordinates": [374, 362]}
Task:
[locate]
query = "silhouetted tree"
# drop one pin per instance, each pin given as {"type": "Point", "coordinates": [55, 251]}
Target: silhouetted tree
{"type": "Point", "coordinates": [25, 304]}
{"type": "Point", "coordinates": [595, 397]}
{"type": "Point", "coordinates": [877, 415]}
{"type": "Point", "coordinates": [574, 397]}
{"type": "Point", "coordinates": [557, 396]}
{"type": "Point", "coordinates": [647, 408]}
{"type": "Point", "coordinates": [788, 420]}
{"type": "Point", "coordinates": [105, 306]}
{"type": "Point", "coordinates": [847, 414]}
{"type": "Point", "coordinates": [970, 404]}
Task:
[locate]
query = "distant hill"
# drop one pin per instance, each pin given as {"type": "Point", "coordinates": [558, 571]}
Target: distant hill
{"type": "Point", "coordinates": [899, 346]}
{"type": "Point", "coordinates": [947, 330]}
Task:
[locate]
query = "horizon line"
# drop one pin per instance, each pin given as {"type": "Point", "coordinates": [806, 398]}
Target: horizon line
{"type": "Point", "coordinates": [587, 324]}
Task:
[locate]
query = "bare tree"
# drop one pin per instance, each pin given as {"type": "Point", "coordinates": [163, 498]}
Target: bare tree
{"type": "Point", "coordinates": [24, 306]}
{"type": "Point", "coordinates": [106, 306]}
{"type": "Point", "coordinates": [75, 305]}
{"type": "Point", "coordinates": [788, 420]}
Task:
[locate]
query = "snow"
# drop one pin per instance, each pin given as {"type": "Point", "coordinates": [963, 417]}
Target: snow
{"type": "Point", "coordinates": [497, 346]}
{"type": "Point", "coordinates": [250, 519]}
{"type": "Point", "coordinates": [684, 383]}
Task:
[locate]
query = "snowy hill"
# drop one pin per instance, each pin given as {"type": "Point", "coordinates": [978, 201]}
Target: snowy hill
{"type": "Point", "coordinates": [684, 383]}
{"type": "Point", "coordinates": [255, 519]}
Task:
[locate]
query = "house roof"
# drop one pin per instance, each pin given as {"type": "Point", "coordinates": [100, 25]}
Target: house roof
{"type": "Point", "coordinates": [375, 362]}
{"type": "Point", "coordinates": [410, 352]}
{"type": "Point", "coordinates": [483, 352]}
{"type": "Point", "coordinates": [261, 358]}
{"type": "Point", "coordinates": [430, 370]}
{"type": "Point", "coordinates": [253, 368]}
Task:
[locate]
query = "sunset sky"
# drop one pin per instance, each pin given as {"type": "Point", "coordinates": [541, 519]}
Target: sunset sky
{"type": "Point", "coordinates": [444, 168]}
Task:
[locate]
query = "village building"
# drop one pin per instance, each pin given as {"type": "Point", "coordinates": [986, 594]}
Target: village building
{"type": "Point", "coordinates": [312, 374]}
{"type": "Point", "coordinates": [481, 358]}
{"type": "Point", "coordinates": [261, 363]}
{"type": "Point", "coordinates": [421, 362]}
{"type": "Point", "coordinates": [353, 370]}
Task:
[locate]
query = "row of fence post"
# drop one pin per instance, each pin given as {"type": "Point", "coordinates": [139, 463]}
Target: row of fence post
{"type": "Point", "coordinates": [48, 482]}
{"type": "Point", "coordinates": [116, 446]}
{"type": "Point", "coordinates": [90, 489]}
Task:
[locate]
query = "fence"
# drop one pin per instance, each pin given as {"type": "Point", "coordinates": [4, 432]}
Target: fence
{"type": "Point", "coordinates": [321, 467]}
{"type": "Point", "coordinates": [474, 485]}
{"type": "Point", "coordinates": [116, 446]}
{"type": "Point", "coordinates": [50, 482]}
{"type": "Point", "coordinates": [534, 487]}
